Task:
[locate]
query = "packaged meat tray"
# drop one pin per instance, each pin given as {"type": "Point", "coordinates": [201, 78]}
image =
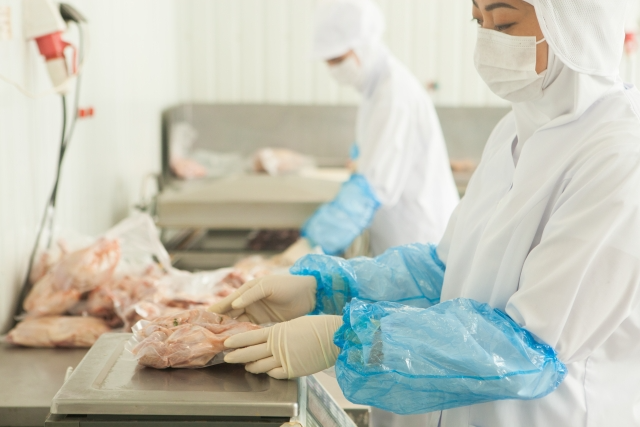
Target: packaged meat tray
{"type": "Point", "coordinates": [189, 339]}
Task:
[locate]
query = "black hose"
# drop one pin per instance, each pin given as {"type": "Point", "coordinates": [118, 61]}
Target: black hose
{"type": "Point", "coordinates": [27, 285]}
{"type": "Point", "coordinates": [49, 212]}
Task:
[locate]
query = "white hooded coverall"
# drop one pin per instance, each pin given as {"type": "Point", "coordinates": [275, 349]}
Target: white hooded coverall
{"type": "Point", "coordinates": [553, 238]}
{"type": "Point", "coordinates": [403, 155]}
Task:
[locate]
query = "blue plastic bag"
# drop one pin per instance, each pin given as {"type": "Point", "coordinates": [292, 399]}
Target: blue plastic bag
{"type": "Point", "coordinates": [409, 360]}
{"type": "Point", "coordinates": [411, 274]}
{"type": "Point", "coordinates": [336, 224]}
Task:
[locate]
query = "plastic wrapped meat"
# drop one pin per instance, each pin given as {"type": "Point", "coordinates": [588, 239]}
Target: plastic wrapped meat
{"type": "Point", "coordinates": [46, 259]}
{"type": "Point", "coordinates": [40, 267]}
{"type": "Point", "coordinates": [173, 293]}
{"type": "Point", "coordinates": [111, 301]}
{"type": "Point", "coordinates": [187, 169]}
{"type": "Point", "coordinates": [79, 272]}
{"type": "Point", "coordinates": [281, 161]}
{"type": "Point", "coordinates": [186, 290]}
{"type": "Point", "coordinates": [58, 331]}
{"type": "Point", "coordinates": [189, 339]}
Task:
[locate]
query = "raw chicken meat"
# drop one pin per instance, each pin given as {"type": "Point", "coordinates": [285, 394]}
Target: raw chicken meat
{"type": "Point", "coordinates": [185, 168]}
{"type": "Point", "coordinates": [79, 272]}
{"type": "Point", "coordinates": [189, 339]}
{"type": "Point", "coordinates": [176, 292]}
{"type": "Point", "coordinates": [112, 301]}
{"type": "Point", "coordinates": [58, 331]}
{"type": "Point", "coordinates": [40, 267]}
{"type": "Point", "coordinates": [280, 161]}
{"type": "Point", "coordinates": [46, 259]}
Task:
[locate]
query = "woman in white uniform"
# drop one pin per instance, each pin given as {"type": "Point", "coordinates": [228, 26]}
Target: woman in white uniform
{"type": "Point", "coordinates": [403, 188]}
{"type": "Point", "coordinates": [527, 312]}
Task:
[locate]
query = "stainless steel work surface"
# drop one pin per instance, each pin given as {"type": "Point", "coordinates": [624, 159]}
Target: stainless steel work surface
{"type": "Point", "coordinates": [29, 378]}
{"type": "Point", "coordinates": [324, 132]}
{"type": "Point", "coordinates": [109, 381]}
{"type": "Point", "coordinates": [245, 202]}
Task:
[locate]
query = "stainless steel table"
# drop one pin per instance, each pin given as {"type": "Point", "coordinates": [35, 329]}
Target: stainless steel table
{"type": "Point", "coordinates": [248, 201]}
{"type": "Point", "coordinates": [108, 388]}
{"type": "Point", "coordinates": [29, 378]}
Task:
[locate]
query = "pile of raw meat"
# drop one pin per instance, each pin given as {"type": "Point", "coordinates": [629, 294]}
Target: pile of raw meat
{"type": "Point", "coordinates": [190, 339]}
{"type": "Point", "coordinates": [122, 278]}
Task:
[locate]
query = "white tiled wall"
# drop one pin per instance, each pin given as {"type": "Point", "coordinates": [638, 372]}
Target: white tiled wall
{"type": "Point", "coordinates": [131, 74]}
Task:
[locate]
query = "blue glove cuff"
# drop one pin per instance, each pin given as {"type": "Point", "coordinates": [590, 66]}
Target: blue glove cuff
{"type": "Point", "coordinates": [411, 275]}
{"type": "Point", "coordinates": [457, 353]}
{"type": "Point", "coordinates": [334, 277]}
{"type": "Point", "coordinates": [336, 224]}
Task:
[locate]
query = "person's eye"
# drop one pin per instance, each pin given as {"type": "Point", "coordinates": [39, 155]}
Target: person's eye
{"type": "Point", "coordinates": [503, 27]}
{"type": "Point", "coordinates": [477, 21]}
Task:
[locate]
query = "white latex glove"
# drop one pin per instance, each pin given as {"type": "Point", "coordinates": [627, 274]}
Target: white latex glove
{"type": "Point", "coordinates": [270, 299]}
{"type": "Point", "coordinates": [296, 251]}
{"type": "Point", "coordinates": [293, 349]}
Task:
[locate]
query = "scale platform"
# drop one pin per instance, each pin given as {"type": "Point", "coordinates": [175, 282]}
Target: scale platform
{"type": "Point", "coordinates": [109, 388]}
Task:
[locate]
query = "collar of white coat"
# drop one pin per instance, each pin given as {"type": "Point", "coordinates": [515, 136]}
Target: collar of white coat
{"type": "Point", "coordinates": [567, 94]}
{"type": "Point", "coordinates": [374, 60]}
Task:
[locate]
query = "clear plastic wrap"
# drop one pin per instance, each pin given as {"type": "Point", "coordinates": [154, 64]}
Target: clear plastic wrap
{"type": "Point", "coordinates": [336, 224]}
{"type": "Point", "coordinates": [124, 277]}
{"type": "Point", "coordinates": [74, 274]}
{"type": "Point", "coordinates": [412, 275]}
{"type": "Point", "coordinates": [189, 339]}
{"type": "Point", "coordinates": [188, 163]}
{"type": "Point", "coordinates": [456, 353]}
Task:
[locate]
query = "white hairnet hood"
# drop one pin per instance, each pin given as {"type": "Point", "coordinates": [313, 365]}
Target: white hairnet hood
{"type": "Point", "coordinates": [587, 35]}
{"type": "Point", "coordinates": [344, 25]}
{"type": "Point", "coordinates": [586, 39]}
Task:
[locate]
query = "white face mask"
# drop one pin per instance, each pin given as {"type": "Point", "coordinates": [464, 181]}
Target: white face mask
{"type": "Point", "coordinates": [348, 72]}
{"type": "Point", "coordinates": [507, 64]}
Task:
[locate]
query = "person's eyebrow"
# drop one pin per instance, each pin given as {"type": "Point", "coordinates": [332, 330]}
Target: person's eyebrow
{"type": "Point", "coordinates": [495, 6]}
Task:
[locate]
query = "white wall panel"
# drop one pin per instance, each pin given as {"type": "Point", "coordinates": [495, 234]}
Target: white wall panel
{"type": "Point", "coordinates": [259, 50]}
{"type": "Point", "coordinates": [303, 68]}
{"type": "Point", "coordinates": [251, 50]}
{"type": "Point", "coordinates": [131, 74]}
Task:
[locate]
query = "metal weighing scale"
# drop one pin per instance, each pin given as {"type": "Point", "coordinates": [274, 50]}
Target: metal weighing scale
{"type": "Point", "coordinates": [109, 388]}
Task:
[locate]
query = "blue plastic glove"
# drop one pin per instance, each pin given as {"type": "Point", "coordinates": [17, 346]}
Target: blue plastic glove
{"type": "Point", "coordinates": [336, 224]}
{"type": "Point", "coordinates": [354, 152]}
{"type": "Point", "coordinates": [411, 274]}
{"type": "Point", "coordinates": [408, 360]}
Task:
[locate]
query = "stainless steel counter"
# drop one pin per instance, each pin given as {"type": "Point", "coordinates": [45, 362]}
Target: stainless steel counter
{"type": "Point", "coordinates": [109, 381]}
{"type": "Point", "coordinates": [29, 378]}
{"type": "Point", "coordinates": [247, 201]}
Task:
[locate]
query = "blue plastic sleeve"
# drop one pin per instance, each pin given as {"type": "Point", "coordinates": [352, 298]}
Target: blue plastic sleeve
{"type": "Point", "coordinates": [458, 353]}
{"type": "Point", "coordinates": [354, 152]}
{"type": "Point", "coordinates": [411, 275]}
{"type": "Point", "coordinates": [335, 225]}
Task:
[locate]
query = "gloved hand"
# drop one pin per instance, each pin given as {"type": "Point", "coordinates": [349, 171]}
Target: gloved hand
{"type": "Point", "coordinates": [276, 298]}
{"type": "Point", "coordinates": [294, 252]}
{"type": "Point", "coordinates": [291, 349]}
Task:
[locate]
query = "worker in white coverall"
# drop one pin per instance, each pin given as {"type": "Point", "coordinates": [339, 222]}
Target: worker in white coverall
{"type": "Point", "coordinates": [527, 312]}
{"type": "Point", "coordinates": [403, 188]}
